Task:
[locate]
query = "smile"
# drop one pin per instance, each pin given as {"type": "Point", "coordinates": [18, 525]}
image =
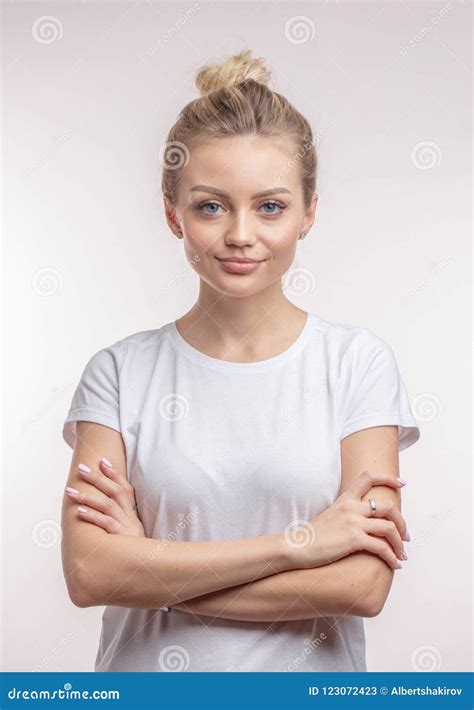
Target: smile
{"type": "Point", "coordinates": [235, 266]}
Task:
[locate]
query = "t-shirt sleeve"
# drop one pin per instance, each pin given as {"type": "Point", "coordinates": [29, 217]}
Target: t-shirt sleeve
{"type": "Point", "coordinates": [96, 397]}
{"type": "Point", "coordinates": [374, 394]}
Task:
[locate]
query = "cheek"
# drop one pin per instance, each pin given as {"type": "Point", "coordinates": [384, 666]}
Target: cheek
{"type": "Point", "coordinates": [200, 240]}
{"type": "Point", "coordinates": [282, 244]}
{"type": "Point", "coordinates": [277, 241]}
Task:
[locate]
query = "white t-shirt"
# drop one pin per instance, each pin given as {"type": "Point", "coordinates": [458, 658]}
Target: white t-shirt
{"type": "Point", "coordinates": [218, 450]}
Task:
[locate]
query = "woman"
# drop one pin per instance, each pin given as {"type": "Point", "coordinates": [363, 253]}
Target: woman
{"type": "Point", "coordinates": [233, 493]}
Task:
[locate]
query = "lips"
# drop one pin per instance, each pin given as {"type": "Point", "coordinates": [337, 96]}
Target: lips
{"type": "Point", "coordinates": [239, 260]}
{"type": "Point", "coordinates": [238, 265]}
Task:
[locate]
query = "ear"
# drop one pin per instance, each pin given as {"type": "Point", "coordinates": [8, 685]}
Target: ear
{"type": "Point", "coordinates": [309, 214]}
{"type": "Point", "coordinates": [171, 216]}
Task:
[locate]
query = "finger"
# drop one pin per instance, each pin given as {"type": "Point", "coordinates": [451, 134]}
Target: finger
{"type": "Point", "coordinates": [119, 479]}
{"type": "Point", "coordinates": [101, 503]}
{"type": "Point", "coordinates": [385, 509]}
{"type": "Point", "coordinates": [380, 548]}
{"type": "Point", "coordinates": [101, 482]}
{"type": "Point", "coordinates": [99, 519]}
{"type": "Point", "coordinates": [388, 530]}
{"type": "Point", "coordinates": [367, 479]}
{"type": "Point", "coordinates": [111, 472]}
{"type": "Point", "coordinates": [117, 503]}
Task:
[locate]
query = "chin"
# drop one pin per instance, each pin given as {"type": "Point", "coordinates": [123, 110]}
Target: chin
{"type": "Point", "coordinates": [231, 286]}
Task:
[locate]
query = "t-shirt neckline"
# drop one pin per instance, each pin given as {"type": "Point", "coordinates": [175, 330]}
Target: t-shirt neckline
{"type": "Point", "coordinates": [192, 353]}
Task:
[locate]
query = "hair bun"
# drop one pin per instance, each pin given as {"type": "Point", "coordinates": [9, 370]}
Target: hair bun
{"type": "Point", "coordinates": [233, 70]}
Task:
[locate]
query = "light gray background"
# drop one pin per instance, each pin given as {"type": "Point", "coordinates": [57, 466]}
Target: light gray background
{"type": "Point", "coordinates": [89, 96]}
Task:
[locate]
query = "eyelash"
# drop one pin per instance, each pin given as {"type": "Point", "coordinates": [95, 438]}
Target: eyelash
{"type": "Point", "coordinates": [267, 202]}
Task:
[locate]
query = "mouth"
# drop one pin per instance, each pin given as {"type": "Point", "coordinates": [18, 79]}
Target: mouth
{"type": "Point", "coordinates": [240, 260]}
{"type": "Point", "coordinates": [239, 265]}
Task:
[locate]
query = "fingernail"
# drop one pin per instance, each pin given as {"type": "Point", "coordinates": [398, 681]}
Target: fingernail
{"type": "Point", "coordinates": [402, 481]}
{"type": "Point", "coordinates": [107, 462]}
{"type": "Point", "coordinates": [403, 555]}
{"type": "Point", "coordinates": [399, 565]}
{"type": "Point", "coordinates": [82, 509]}
{"type": "Point", "coordinates": [72, 491]}
{"type": "Point", "coordinates": [83, 467]}
{"type": "Point", "coordinates": [407, 535]}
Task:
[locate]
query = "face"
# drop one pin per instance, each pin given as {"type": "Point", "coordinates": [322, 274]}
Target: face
{"type": "Point", "coordinates": [241, 198]}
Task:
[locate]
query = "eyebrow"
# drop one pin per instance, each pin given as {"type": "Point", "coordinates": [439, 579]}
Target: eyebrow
{"type": "Point", "coordinates": [216, 191]}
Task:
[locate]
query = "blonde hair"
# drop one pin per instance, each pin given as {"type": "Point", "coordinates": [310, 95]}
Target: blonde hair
{"type": "Point", "coordinates": [235, 100]}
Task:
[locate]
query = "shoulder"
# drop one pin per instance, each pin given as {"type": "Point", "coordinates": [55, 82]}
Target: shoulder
{"type": "Point", "coordinates": [114, 356]}
{"type": "Point", "coordinates": [350, 342]}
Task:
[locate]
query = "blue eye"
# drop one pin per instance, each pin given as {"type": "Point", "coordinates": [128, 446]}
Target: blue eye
{"type": "Point", "coordinates": [273, 204]}
{"type": "Point", "coordinates": [211, 207]}
{"type": "Point", "coordinates": [208, 204]}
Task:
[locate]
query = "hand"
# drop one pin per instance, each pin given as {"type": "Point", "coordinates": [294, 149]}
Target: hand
{"type": "Point", "coordinates": [114, 508]}
{"type": "Point", "coordinates": [348, 526]}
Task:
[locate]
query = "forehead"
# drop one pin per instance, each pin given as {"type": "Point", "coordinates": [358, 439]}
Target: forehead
{"type": "Point", "coordinates": [242, 163]}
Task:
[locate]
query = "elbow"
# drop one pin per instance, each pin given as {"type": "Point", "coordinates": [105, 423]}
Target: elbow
{"type": "Point", "coordinates": [371, 605]}
{"type": "Point", "coordinates": [79, 599]}
{"type": "Point", "coordinates": [79, 587]}
{"type": "Point", "coordinates": [373, 593]}
{"type": "Point", "coordinates": [79, 595]}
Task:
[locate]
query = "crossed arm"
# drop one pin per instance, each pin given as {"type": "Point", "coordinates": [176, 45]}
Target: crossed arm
{"type": "Point", "coordinates": [250, 579]}
{"type": "Point", "coordinates": [358, 584]}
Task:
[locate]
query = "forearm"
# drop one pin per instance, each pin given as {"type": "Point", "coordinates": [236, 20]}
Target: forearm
{"type": "Point", "coordinates": [148, 573]}
{"type": "Point", "coordinates": [342, 587]}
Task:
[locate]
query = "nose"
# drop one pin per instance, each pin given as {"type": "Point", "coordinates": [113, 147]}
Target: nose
{"type": "Point", "coordinates": [240, 231]}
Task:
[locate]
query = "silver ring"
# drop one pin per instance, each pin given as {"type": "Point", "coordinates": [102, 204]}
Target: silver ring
{"type": "Point", "coordinates": [373, 506]}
